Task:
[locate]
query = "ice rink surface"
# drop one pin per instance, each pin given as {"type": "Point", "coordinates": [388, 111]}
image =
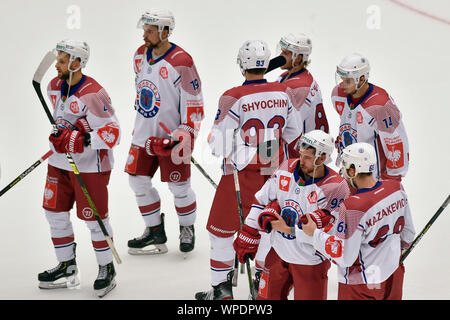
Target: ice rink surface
{"type": "Point", "coordinates": [408, 49]}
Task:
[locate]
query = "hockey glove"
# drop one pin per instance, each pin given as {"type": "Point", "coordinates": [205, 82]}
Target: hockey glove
{"type": "Point", "coordinates": [66, 140]}
{"type": "Point", "coordinates": [82, 125]}
{"type": "Point", "coordinates": [267, 215]}
{"type": "Point", "coordinates": [321, 218]}
{"type": "Point", "coordinates": [246, 243]}
{"type": "Point", "coordinates": [156, 146]}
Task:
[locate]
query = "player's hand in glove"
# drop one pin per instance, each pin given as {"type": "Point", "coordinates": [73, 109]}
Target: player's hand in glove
{"type": "Point", "coordinates": [82, 125]}
{"type": "Point", "coordinates": [321, 217]}
{"type": "Point", "coordinates": [268, 215]}
{"type": "Point", "coordinates": [66, 140]}
{"type": "Point", "coordinates": [156, 146]}
{"type": "Point", "coordinates": [246, 243]}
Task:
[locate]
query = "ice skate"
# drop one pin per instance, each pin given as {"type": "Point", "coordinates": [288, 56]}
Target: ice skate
{"type": "Point", "coordinates": [223, 291]}
{"type": "Point", "coordinates": [105, 281]}
{"type": "Point", "coordinates": [151, 242]}
{"type": "Point", "coordinates": [187, 239]}
{"type": "Point", "coordinates": [64, 275]}
{"type": "Point", "coordinates": [255, 286]}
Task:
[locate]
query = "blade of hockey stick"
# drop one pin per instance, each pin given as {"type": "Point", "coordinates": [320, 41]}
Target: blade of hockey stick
{"type": "Point", "coordinates": [276, 63]}
{"type": "Point", "coordinates": [46, 62]}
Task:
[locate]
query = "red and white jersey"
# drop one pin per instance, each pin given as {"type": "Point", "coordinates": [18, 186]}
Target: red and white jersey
{"type": "Point", "coordinates": [248, 117]}
{"type": "Point", "coordinates": [168, 90]}
{"type": "Point", "coordinates": [374, 119]}
{"type": "Point", "coordinates": [90, 100]}
{"type": "Point", "coordinates": [297, 197]}
{"type": "Point", "coordinates": [307, 100]}
{"type": "Point", "coordinates": [372, 228]}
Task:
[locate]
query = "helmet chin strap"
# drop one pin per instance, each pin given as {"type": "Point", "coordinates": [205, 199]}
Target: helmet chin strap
{"type": "Point", "coordinates": [71, 59]}
{"type": "Point", "coordinates": [350, 179]}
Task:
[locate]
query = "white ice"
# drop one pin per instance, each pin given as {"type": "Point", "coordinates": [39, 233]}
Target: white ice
{"type": "Point", "coordinates": [409, 56]}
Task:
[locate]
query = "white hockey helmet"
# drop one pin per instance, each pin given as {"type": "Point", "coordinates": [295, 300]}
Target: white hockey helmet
{"type": "Point", "coordinates": [298, 44]}
{"type": "Point", "coordinates": [319, 140]}
{"type": "Point", "coordinates": [75, 49]}
{"type": "Point", "coordinates": [362, 155]}
{"type": "Point", "coordinates": [254, 54]}
{"type": "Point", "coordinates": [158, 17]}
{"type": "Point", "coordinates": [353, 67]}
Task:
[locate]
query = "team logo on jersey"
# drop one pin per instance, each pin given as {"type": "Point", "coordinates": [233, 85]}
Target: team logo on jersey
{"type": "Point", "coordinates": [163, 72]}
{"type": "Point", "coordinates": [284, 183]}
{"type": "Point", "coordinates": [359, 117]}
{"type": "Point", "coordinates": [312, 197]}
{"type": "Point", "coordinates": [339, 105]}
{"type": "Point", "coordinates": [74, 107]}
{"type": "Point", "coordinates": [394, 155]}
{"type": "Point", "coordinates": [194, 116]}
{"type": "Point", "coordinates": [348, 136]}
{"type": "Point", "coordinates": [333, 247]}
{"type": "Point", "coordinates": [148, 100]}
{"type": "Point", "coordinates": [109, 133]}
{"type": "Point", "coordinates": [53, 98]}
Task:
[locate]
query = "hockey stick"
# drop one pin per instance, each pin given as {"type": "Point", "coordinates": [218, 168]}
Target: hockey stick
{"type": "Point", "coordinates": [276, 63]}
{"type": "Point", "coordinates": [37, 78]}
{"type": "Point", "coordinates": [427, 226]}
{"type": "Point", "coordinates": [199, 167]}
{"type": "Point", "coordinates": [26, 172]}
{"type": "Point", "coordinates": [241, 216]}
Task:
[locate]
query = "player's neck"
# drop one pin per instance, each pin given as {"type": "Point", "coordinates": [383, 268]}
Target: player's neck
{"type": "Point", "coordinates": [295, 69]}
{"type": "Point", "coordinates": [162, 48]}
{"type": "Point", "coordinates": [364, 182]}
{"type": "Point", "coordinates": [359, 93]}
{"type": "Point", "coordinates": [76, 77]}
{"type": "Point", "coordinates": [251, 76]}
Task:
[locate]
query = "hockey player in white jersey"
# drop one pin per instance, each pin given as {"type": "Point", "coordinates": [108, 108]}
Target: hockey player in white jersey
{"type": "Point", "coordinates": [168, 90]}
{"type": "Point", "coordinates": [369, 114]}
{"type": "Point", "coordinates": [373, 227]}
{"type": "Point", "coordinates": [251, 121]}
{"type": "Point", "coordinates": [307, 97]}
{"type": "Point", "coordinates": [299, 186]}
{"type": "Point", "coordinates": [89, 130]}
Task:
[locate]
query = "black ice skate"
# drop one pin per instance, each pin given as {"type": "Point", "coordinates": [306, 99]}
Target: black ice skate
{"type": "Point", "coordinates": [105, 281]}
{"type": "Point", "coordinates": [187, 239]}
{"type": "Point", "coordinates": [255, 286]}
{"type": "Point", "coordinates": [152, 241]}
{"type": "Point", "coordinates": [223, 291]}
{"type": "Point", "coordinates": [64, 275]}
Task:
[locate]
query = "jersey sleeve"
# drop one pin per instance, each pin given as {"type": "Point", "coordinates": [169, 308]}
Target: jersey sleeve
{"type": "Point", "coordinates": [264, 196]}
{"type": "Point", "coordinates": [408, 233]}
{"type": "Point", "coordinates": [343, 246]}
{"type": "Point", "coordinates": [191, 96]}
{"type": "Point", "coordinates": [226, 122]}
{"type": "Point", "coordinates": [392, 137]}
{"type": "Point", "coordinates": [102, 119]}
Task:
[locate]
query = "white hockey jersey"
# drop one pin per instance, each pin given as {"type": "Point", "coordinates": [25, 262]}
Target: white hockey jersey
{"type": "Point", "coordinates": [374, 119]}
{"type": "Point", "coordinates": [307, 98]}
{"type": "Point", "coordinates": [250, 116]}
{"type": "Point", "coordinates": [86, 99]}
{"type": "Point", "coordinates": [168, 90]}
{"type": "Point", "coordinates": [372, 228]}
{"type": "Point", "coordinates": [296, 198]}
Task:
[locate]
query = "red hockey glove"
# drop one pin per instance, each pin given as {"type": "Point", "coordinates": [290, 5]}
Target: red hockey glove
{"type": "Point", "coordinates": [156, 146]}
{"type": "Point", "coordinates": [82, 125]}
{"type": "Point", "coordinates": [246, 243]}
{"type": "Point", "coordinates": [267, 215]}
{"type": "Point", "coordinates": [321, 218]}
{"type": "Point", "coordinates": [67, 141]}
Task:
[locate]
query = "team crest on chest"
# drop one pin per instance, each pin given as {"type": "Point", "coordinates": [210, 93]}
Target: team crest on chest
{"type": "Point", "coordinates": [348, 135]}
{"type": "Point", "coordinates": [148, 99]}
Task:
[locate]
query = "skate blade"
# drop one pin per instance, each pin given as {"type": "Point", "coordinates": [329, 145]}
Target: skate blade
{"type": "Point", "coordinates": [72, 282]}
{"type": "Point", "coordinates": [234, 280]}
{"type": "Point", "coordinates": [150, 250]}
{"type": "Point", "coordinates": [103, 292]}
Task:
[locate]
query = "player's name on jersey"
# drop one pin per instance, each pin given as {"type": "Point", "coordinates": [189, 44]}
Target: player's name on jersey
{"type": "Point", "coordinates": [390, 209]}
{"type": "Point", "coordinates": [263, 104]}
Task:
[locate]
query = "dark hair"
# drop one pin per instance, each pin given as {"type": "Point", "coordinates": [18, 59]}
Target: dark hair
{"type": "Point", "coordinates": [257, 71]}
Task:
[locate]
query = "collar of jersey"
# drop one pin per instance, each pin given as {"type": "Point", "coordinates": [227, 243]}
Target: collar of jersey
{"type": "Point", "coordinates": [72, 89]}
{"type": "Point", "coordinates": [301, 182]}
{"type": "Point", "coordinates": [292, 75]}
{"type": "Point", "coordinates": [369, 189]}
{"type": "Point", "coordinates": [254, 81]}
{"type": "Point", "coordinates": [352, 104]}
{"type": "Point", "coordinates": [149, 54]}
